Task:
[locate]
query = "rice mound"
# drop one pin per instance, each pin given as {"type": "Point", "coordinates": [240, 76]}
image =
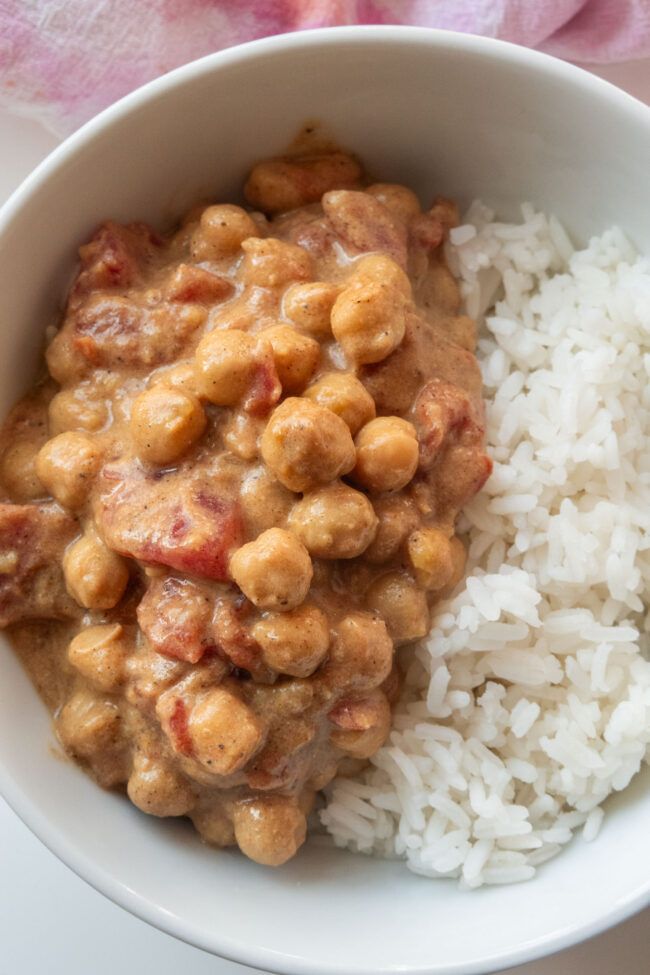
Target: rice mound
{"type": "Point", "coordinates": [530, 701]}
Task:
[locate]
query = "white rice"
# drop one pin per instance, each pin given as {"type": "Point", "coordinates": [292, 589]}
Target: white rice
{"type": "Point", "coordinates": [530, 701]}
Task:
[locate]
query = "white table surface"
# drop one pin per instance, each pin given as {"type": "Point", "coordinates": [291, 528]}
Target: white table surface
{"type": "Point", "coordinates": [52, 923]}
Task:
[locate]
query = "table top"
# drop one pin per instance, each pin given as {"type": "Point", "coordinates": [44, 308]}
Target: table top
{"type": "Point", "coordinates": [53, 922]}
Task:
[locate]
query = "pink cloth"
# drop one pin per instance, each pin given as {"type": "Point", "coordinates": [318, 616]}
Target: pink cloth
{"type": "Point", "coordinates": [64, 60]}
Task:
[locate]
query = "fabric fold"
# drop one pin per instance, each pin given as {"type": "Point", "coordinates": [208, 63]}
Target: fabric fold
{"type": "Point", "coordinates": [62, 61]}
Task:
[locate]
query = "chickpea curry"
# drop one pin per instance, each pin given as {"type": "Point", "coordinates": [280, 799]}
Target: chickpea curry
{"type": "Point", "coordinates": [234, 494]}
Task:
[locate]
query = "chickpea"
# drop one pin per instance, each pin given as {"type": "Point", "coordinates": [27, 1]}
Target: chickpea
{"type": "Point", "coordinates": [165, 423]}
{"type": "Point", "coordinates": [274, 571]}
{"type": "Point", "coordinates": [429, 552]}
{"type": "Point", "coordinates": [309, 306]}
{"type": "Point", "coordinates": [269, 830]}
{"type": "Point", "coordinates": [220, 233]}
{"type": "Point", "coordinates": [225, 365]}
{"type": "Point", "coordinates": [296, 356]}
{"type": "Point", "coordinates": [398, 517]}
{"type": "Point", "coordinates": [8, 562]}
{"type": "Point", "coordinates": [95, 575]}
{"type": "Point", "coordinates": [305, 445]}
{"type": "Point", "coordinates": [369, 320]}
{"type": "Point", "coordinates": [99, 653]}
{"type": "Point", "coordinates": [19, 472]}
{"type": "Point", "coordinates": [272, 263]}
{"type": "Point", "coordinates": [241, 434]}
{"type": "Point", "coordinates": [73, 409]}
{"type": "Point", "coordinates": [224, 731]}
{"type": "Point", "coordinates": [381, 268]}
{"type": "Point", "coordinates": [180, 376]}
{"type": "Point", "coordinates": [343, 394]}
{"type": "Point", "coordinates": [183, 319]}
{"type": "Point", "coordinates": [88, 725]}
{"type": "Point", "coordinates": [150, 675]}
{"type": "Point", "coordinates": [402, 202]}
{"type": "Point", "coordinates": [387, 454]}
{"type": "Point", "coordinates": [286, 183]}
{"type": "Point", "coordinates": [181, 238]}
{"type": "Point", "coordinates": [362, 725]}
{"type": "Point", "coordinates": [458, 559]}
{"type": "Point", "coordinates": [214, 825]}
{"type": "Point", "coordinates": [64, 363]}
{"type": "Point", "coordinates": [361, 653]}
{"type": "Point", "coordinates": [245, 312]}
{"type": "Point", "coordinates": [401, 604]}
{"type": "Point", "coordinates": [293, 643]}
{"type": "Point", "coordinates": [334, 522]}
{"type": "Point", "coordinates": [66, 466]}
{"type": "Point", "coordinates": [264, 501]}
{"type": "Point", "coordinates": [157, 789]}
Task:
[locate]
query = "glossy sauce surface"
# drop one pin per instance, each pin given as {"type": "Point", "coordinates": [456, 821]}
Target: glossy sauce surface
{"type": "Point", "coordinates": [235, 494]}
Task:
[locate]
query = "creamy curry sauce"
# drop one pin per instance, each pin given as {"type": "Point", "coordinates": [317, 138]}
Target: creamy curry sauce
{"type": "Point", "coordinates": [234, 495]}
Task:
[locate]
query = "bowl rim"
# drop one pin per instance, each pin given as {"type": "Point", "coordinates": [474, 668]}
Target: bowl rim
{"type": "Point", "coordinates": [58, 841]}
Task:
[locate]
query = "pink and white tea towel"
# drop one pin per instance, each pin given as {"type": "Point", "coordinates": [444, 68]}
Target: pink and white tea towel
{"type": "Point", "coordinates": [63, 60]}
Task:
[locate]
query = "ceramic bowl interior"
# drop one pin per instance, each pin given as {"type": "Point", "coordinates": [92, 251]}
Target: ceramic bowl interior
{"type": "Point", "coordinates": [446, 114]}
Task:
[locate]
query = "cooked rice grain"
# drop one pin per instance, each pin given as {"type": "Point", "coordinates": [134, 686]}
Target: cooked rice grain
{"type": "Point", "coordinates": [530, 701]}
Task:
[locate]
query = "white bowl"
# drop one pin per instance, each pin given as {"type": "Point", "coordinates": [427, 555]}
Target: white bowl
{"type": "Point", "coordinates": [446, 113]}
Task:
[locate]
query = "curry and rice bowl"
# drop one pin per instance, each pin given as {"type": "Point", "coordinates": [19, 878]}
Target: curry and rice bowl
{"type": "Point", "coordinates": [236, 514]}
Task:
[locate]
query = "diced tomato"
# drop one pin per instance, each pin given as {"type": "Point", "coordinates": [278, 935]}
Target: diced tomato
{"type": "Point", "coordinates": [111, 330]}
{"type": "Point", "coordinates": [275, 766]}
{"type": "Point", "coordinates": [174, 615]}
{"type": "Point", "coordinates": [169, 521]}
{"type": "Point", "coordinates": [190, 283]}
{"type": "Point", "coordinates": [363, 223]}
{"type": "Point", "coordinates": [180, 734]}
{"type": "Point", "coordinates": [451, 430]}
{"type": "Point", "coordinates": [114, 257]}
{"type": "Point", "coordinates": [315, 234]}
{"type": "Point", "coordinates": [444, 410]}
{"type": "Point", "coordinates": [32, 541]}
{"type": "Point", "coordinates": [233, 641]}
{"type": "Point", "coordinates": [265, 389]}
{"type": "Point", "coordinates": [107, 328]}
{"type": "Point", "coordinates": [461, 472]}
